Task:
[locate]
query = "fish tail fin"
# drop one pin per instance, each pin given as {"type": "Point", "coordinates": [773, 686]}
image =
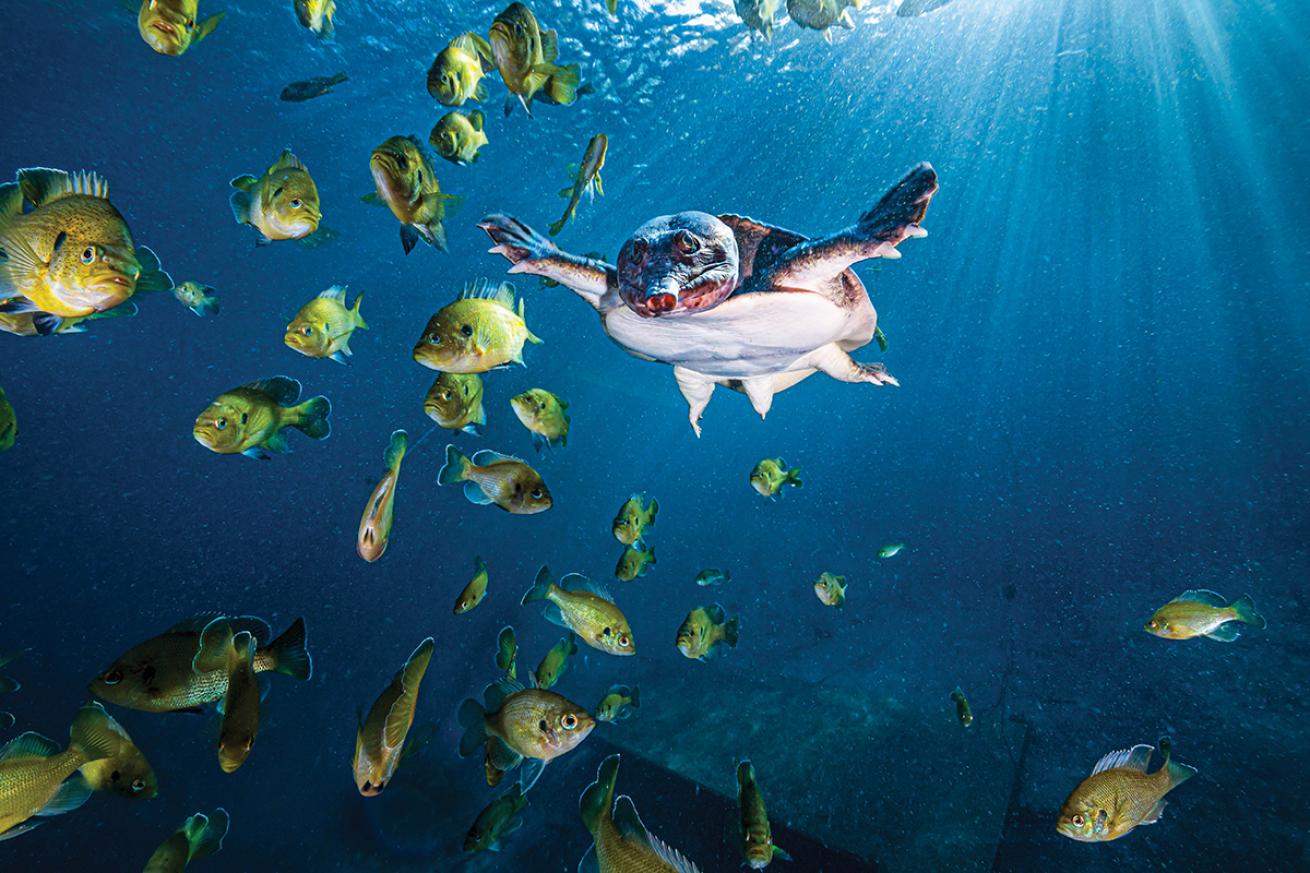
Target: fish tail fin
{"type": "Point", "coordinates": [794, 477]}
{"type": "Point", "coordinates": [598, 798]}
{"type": "Point", "coordinates": [541, 585]}
{"type": "Point", "coordinates": [473, 719]}
{"type": "Point", "coordinates": [731, 629]}
{"type": "Point", "coordinates": [557, 226]}
{"type": "Point", "coordinates": [745, 774]}
{"type": "Point", "coordinates": [1177, 771]}
{"type": "Point", "coordinates": [354, 310]}
{"type": "Point", "coordinates": [562, 86]}
{"type": "Point", "coordinates": [93, 733]}
{"type": "Point", "coordinates": [396, 449]}
{"type": "Point", "coordinates": [339, 77]}
{"type": "Point", "coordinates": [289, 653]}
{"type": "Point", "coordinates": [207, 306]}
{"type": "Point", "coordinates": [204, 833]}
{"type": "Point", "coordinates": [1244, 611]}
{"type": "Point", "coordinates": [311, 417]}
{"type": "Point", "coordinates": [456, 467]}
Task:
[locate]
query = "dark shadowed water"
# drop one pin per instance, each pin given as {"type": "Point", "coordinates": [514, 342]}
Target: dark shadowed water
{"type": "Point", "coordinates": [1105, 390]}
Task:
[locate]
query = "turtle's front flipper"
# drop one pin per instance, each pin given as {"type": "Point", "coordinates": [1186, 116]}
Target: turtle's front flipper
{"type": "Point", "coordinates": [894, 219]}
{"type": "Point", "coordinates": [594, 281]}
{"type": "Point", "coordinates": [839, 365]}
{"type": "Point", "coordinates": [696, 388]}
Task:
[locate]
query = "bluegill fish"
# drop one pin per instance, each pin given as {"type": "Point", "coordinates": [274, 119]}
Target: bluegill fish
{"type": "Point", "coordinates": [771, 474]}
{"type": "Point", "coordinates": [498, 819]}
{"type": "Point", "coordinates": [585, 608]}
{"type": "Point", "coordinates": [706, 631]}
{"type": "Point", "coordinates": [963, 712]}
{"type": "Point", "coordinates": [240, 724]}
{"type": "Point", "coordinates": [1120, 794]}
{"type": "Point", "coordinates": [891, 550]}
{"type": "Point", "coordinates": [459, 136]}
{"type": "Point", "coordinates": [490, 477]}
{"type": "Point", "coordinates": [552, 664]}
{"type": "Point", "coordinates": [711, 578]}
{"type": "Point", "coordinates": [125, 772]}
{"type": "Point", "coordinates": [170, 27]}
{"type": "Point", "coordinates": [635, 562]}
{"type": "Point", "coordinates": [375, 524]}
{"type": "Point", "coordinates": [620, 841]}
{"type": "Point", "coordinates": [308, 89]}
{"type": "Point", "coordinates": [634, 518]}
{"type": "Point", "coordinates": [381, 736]}
{"type": "Point", "coordinates": [475, 590]}
{"type": "Point", "coordinates": [199, 837]}
{"type": "Point", "coordinates": [507, 650]}
{"type": "Point", "coordinates": [250, 418]}
{"type": "Point", "coordinates": [456, 74]}
{"type": "Point", "coordinates": [526, 56]}
{"type": "Point", "coordinates": [316, 16]}
{"type": "Point", "coordinates": [455, 402]}
{"type": "Point", "coordinates": [199, 298]}
{"type": "Point", "coordinates": [1200, 612]}
{"type": "Point", "coordinates": [620, 703]}
{"type": "Point", "coordinates": [406, 183]}
{"type": "Point", "coordinates": [758, 849]}
{"type": "Point", "coordinates": [480, 331]}
{"type": "Point", "coordinates": [281, 204]}
{"type": "Point", "coordinates": [545, 415]}
{"type": "Point", "coordinates": [830, 589]}
{"type": "Point", "coordinates": [323, 326]}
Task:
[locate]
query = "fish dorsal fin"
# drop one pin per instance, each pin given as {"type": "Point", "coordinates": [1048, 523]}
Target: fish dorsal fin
{"type": "Point", "coordinates": [1137, 758]}
{"type": "Point", "coordinates": [194, 623]}
{"type": "Point", "coordinates": [629, 824]}
{"type": "Point", "coordinates": [254, 625]}
{"type": "Point", "coordinates": [1202, 595]}
{"type": "Point", "coordinates": [401, 714]}
{"type": "Point", "coordinates": [670, 855]}
{"type": "Point", "coordinates": [494, 694]}
{"type": "Point", "coordinates": [215, 643]}
{"type": "Point", "coordinates": [29, 745]}
{"type": "Point", "coordinates": [485, 457]}
{"type": "Point", "coordinates": [43, 185]}
{"type": "Point", "coordinates": [758, 244]}
{"type": "Point", "coordinates": [714, 612]}
{"type": "Point", "coordinates": [286, 161]}
{"type": "Point", "coordinates": [336, 292]}
{"type": "Point", "coordinates": [11, 200]}
{"type": "Point", "coordinates": [549, 46]}
{"type": "Point", "coordinates": [575, 582]}
{"type": "Point", "coordinates": [282, 390]}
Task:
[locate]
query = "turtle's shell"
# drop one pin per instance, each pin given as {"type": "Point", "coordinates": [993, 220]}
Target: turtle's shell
{"type": "Point", "coordinates": [761, 329]}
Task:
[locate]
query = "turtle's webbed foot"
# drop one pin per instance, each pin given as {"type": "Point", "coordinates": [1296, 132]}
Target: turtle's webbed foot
{"type": "Point", "coordinates": [874, 373]}
{"type": "Point", "coordinates": [521, 245]}
{"type": "Point", "coordinates": [897, 215]}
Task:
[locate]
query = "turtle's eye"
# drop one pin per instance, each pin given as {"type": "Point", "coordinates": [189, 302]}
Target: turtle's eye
{"type": "Point", "coordinates": [113, 677]}
{"type": "Point", "coordinates": [221, 424]}
{"type": "Point", "coordinates": [686, 242]}
{"type": "Point", "coordinates": [569, 721]}
{"type": "Point", "coordinates": [639, 247]}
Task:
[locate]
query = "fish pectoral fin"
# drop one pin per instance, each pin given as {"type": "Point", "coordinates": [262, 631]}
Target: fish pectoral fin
{"type": "Point", "coordinates": [1156, 812]}
{"type": "Point", "coordinates": [589, 863]}
{"type": "Point", "coordinates": [530, 773]}
{"type": "Point", "coordinates": [474, 494]}
{"type": "Point", "coordinates": [278, 443]}
{"type": "Point", "coordinates": [20, 266]}
{"type": "Point", "coordinates": [258, 453]}
{"type": "Point", "coordinates": [69, 797]}
{"type": "Point", "coordinates": [208, 25]}
{"type": "Point", "coordinates": [1227, 632]}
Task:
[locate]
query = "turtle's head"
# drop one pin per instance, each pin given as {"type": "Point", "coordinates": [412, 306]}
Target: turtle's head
{"type": "Point", "coordinates": [678, 263]}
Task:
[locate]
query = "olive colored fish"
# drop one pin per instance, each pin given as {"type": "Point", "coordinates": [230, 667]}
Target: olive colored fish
{"type": "Point", "coordinates": [830, 589]}
{"type": "Point", "coordinates": [459, 136]}
{"type": "Point", "coordinates": [125, 772]}
{"type": "Point", "coordinates": [757, 848]}
{"type": "Point", "coordinates": [34, 774]}
{"type": "Point", "coordinates": [8, 423]}
{"type": "Point", "coordinates": [545, 415]}
{"type": "Point", "coordinates": [308, 89]}
{"type": "Point", "coordinates": [67, 252]}
{"type": "Point", "coordinates": [585, 608]}
{"type": "Point", "coordinates": [159, 674]}
{"type": "Point", "coordinates": [771, 474]}
{"type": "Point", "coordinates": [498, 820]}
{"type": "Point", "coordinates": [375, 524]}
{"type": "Point", "coordinates": [490, 477]}
{"type": "Point", "coordinates": [711, 578]}
{"type": "Point", "coordinates": [632, 519]}
{"type": "Point", "coordinates": [199, 298]}
{"type": "Point", "coordinates": [523, 724]}
{"type": "Point", "coordinates": [823, 15]}
{"type": "Point", "coordinates": [455, 402]}
{"type": "Point", "coordinates": [891, 551]}
{"type": "Point", "coordinates": [552, 666]}
{"type": "Point", "coordinates": [759, 16]}
{"type": "Point", "coordinates": [199, 837]}
{"type": "Point", "coordinates": [475, 590]}
{"type": "Point", "coordinates": [316, 16]}
{"type": "Point", "coordinates": [1200, 612]}
{"type": "Point", "coordinates": [240, 724]}
{"type": "Point", "coordinates": [620, 703]}
{"type": "Point", "coordinates": [281, 204]}
{"type": "Point", "coordinates": [323, 326]}
{"type": "Point", "coordinates": [586, 180]}
{"type": "Point", "coordinates": [507, 650]}
{"type": "Point", "coordinates": [620, 841]}
{"type": "Point", "coordinates": [963, 711]}
{"type": "Point", "coordinates": [170, 27]}
{"type": "Point", "coordinates": [456, 74]}
{"type": "Point", "coordinates": [705, 631]}
{"type": "Point", "coordinates": [526, 56]}
{"type": "Point", "coordinates": [478, 332]}
{"type": "Point", "coordinates": [635, 562]}
{"type": "Point", "coordinates": [250, 418]}
{"type": "Point", "coordinates": [381, 737]}
{"type": "Point", "coordinates": [1120, 794]}
{"type": "Point", "coordinates": [407, 184]}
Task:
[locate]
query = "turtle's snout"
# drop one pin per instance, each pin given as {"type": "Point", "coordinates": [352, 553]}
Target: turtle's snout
{"type": "Point", "coordinates": [661, 302]}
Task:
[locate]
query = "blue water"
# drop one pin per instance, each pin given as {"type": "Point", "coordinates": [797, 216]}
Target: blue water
{"type": "Point", "coordinates": [1105, 391]}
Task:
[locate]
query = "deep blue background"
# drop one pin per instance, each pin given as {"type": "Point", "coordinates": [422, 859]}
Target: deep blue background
{"type": "Point", "coordinates": [1101, 346]}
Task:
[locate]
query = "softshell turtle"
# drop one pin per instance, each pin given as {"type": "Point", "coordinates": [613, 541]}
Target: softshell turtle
{"type": "Point", "coordinates": [731, 301]}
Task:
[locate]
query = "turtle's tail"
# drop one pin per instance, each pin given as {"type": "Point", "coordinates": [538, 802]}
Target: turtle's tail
{"type": "Point", "coordinates": [898, 214]}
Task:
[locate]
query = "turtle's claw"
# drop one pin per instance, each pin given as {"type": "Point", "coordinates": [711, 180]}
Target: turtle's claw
{"type": "Point", "coordinates": [515, 240]}
{"type": "Point", "coordinates": [875, 374]}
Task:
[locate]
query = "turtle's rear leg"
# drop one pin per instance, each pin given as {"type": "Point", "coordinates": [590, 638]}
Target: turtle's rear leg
{"type": "Point", "coordinates": [696, 389]}
{"type": "Point", "coordinates": [842, 367]}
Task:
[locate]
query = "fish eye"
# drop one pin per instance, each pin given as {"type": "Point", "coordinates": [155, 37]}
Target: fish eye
{"type": "Point", "coordinates": [536, 493]}
{"type": "Point", "coordinates": [446, 395]}
{"type": "Point", "coordinates": [113, 677]}
{"type": "Point", "coordinates": [1079, 821]}
{"type": "Point", "coordinates": [569, 721]}
{"type": "Point", "coordinates": [88, 254]}
{"type": "Point", "coordinates": [190, 23]}
{"type": "Point", "coordinates": [307, 330]}
{"type": "Point", "coordinates": [434, 339]}
{"type": "Point", "coordinates": [467, 330]}
{"type": "Point", "coordinates": [295, 203]}
{"type": "Point", "coordinates": [221, 424]}
{"type": "Point", "coordinates": [624, 641]}
{"type": "Point", "coordinates": [138, 785]}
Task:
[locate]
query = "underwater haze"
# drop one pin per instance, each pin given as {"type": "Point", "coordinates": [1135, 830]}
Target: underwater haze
{"type": "Point", "coordinates": [1104, 391]}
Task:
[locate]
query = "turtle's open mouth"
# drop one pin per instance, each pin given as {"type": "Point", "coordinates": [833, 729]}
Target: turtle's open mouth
{"type": "Point", "coordinates": [669, 294]}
